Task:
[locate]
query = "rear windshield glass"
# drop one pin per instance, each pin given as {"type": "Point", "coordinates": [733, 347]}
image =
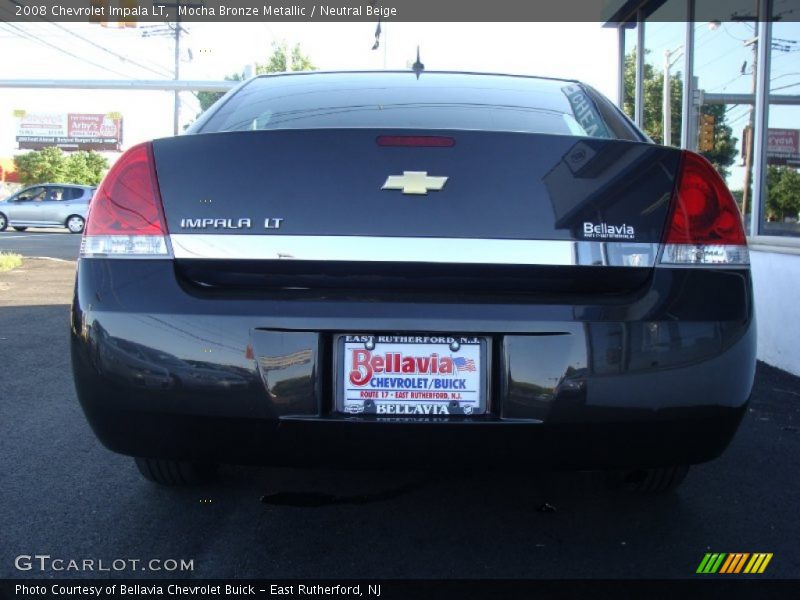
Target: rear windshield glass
{"type": "Point", "coordinates": [401, 101]}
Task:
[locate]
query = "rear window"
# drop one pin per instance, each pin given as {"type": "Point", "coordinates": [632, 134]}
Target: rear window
{"type": "Point", "coordinates": [401, 101]}
{"type": "Point", "coordinates": [73, 193]}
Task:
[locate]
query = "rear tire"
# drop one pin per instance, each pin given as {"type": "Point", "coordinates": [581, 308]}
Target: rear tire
{"type": "Point", "coordinates": [3, 222]}
{"type": "Point", "coordinates": [175, 473]}
{"type": "Point", "coordinates": [20, 228]}
{"type": "Point", "coordinates": [75, 223]}
{"type": "Point", "coordinates": [660, 480]}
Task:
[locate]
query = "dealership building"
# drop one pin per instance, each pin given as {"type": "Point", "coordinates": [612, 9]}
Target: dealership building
{"type": "Point", "coordinates": [734, 95]}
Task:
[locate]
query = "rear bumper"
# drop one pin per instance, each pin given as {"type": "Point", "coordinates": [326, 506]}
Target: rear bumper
{"type": "Point", "coordinates": [654, 378]}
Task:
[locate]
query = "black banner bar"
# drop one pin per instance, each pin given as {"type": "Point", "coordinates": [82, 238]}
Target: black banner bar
{"type": "Point", "coordinates": [711, 586]}
{"type": "Point", "coordinates": [131, 13]}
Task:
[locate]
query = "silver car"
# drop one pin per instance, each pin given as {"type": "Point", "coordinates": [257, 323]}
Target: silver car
{"type": "Point", "coordinates": [47, 205]}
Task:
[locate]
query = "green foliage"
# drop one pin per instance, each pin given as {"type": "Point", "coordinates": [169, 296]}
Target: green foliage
{"type": "Point", "coordinates": [277, 60]}
{"type": "Point", "coordinates": [206, 99]}
{"type": "Point", "coordinates": [52, 165]}
{"type": "Point", "coordinates": [653, 100]}
{"type": "Point", "coordinates": [86, 168]}
{"type": "Point", "coordinates": [276, 63]}
{"type": "Point", "coordinates": [783, 193]}
{"type": "Point", "coordinates": [724, 152]}
{"type": "Point", "coordinates": [9, 261]}
{"type": "Point", "coordinates": [40, 166]}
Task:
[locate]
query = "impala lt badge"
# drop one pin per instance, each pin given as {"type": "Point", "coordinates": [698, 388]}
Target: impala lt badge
{"type": "Point", "coordinates": [269, 223]}
{"type": "Point", "coordinates": [414, 182]}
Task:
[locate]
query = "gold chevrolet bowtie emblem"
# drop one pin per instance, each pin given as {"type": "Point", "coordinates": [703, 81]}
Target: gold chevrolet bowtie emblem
{"type": "Point", "coordinates": [414, 182]}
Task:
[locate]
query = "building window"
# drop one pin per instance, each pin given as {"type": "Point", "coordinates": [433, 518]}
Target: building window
{"type": "Point", "coordinates": [726, 68]}
{"type": "Point", "coordinates": [628, 50]}
{"type": "Point", "coordinates": [781, 202]}
{"type": "Point", "coordinates": [664, 48]}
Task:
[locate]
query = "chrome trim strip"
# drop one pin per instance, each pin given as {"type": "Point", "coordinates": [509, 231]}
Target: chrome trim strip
{"type": "Point", "coordinates": [412, 249]}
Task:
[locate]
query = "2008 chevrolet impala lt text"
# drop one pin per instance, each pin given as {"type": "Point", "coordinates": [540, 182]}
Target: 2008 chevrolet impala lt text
{"type": "Point", "coordinates": [424, 269]}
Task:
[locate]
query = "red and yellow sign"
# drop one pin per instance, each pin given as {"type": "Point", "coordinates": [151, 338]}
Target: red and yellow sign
{"type": "Point", "coordinates": [8, 171]}
{"type": "Point", "coordinates": [69, 131]}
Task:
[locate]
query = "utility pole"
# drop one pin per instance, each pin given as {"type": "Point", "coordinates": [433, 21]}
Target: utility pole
{"type": "Point", "coordinates": [667, 94]}
{"type": "Point", "coordinates": [176, 110]}
{"type": "Point", "coordinates": [748, 141]}
{"type": "Point", "coordinates": [176, 6]}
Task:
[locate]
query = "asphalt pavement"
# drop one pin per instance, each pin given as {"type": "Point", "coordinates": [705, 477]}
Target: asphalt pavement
{"type": "Point", "coordinates": [66, 496]}
{"type": "Point", "coordinates": [51, 242]}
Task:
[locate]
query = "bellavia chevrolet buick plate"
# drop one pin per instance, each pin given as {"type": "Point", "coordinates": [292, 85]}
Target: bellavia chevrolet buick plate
{"type": "Point", "coordinates": [417, 269]}
{"type": "Point", "coordinates": [412, 375]}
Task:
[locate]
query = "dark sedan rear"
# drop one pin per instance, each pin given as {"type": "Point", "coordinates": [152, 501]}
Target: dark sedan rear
{"type": "Point", "coordinates": [450, 270]}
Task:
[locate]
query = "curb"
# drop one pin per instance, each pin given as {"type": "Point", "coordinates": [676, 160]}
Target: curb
{"type": "Point", "coordinates": [61, 260]}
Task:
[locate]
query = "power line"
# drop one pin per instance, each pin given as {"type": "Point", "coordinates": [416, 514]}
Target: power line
{"type": "Point", "coordinates": [730, 35]}
{"type": "Point", "coordinates": [783, 75]}
{"type": "Point", "coordinates": [739, 118]}
{"type": "Point", "coordinates": [96, 45]}
{"type": "Point", "coordinates": [25, 35]}
{"type": "Point", "coordinates": [163, 73]}
{"type": "Point", "coordinates": [783, 87]}
{"type": "Point", "coordinates": [726, 84]}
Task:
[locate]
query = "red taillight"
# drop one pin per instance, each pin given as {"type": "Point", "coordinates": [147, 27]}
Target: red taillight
{"type": "Point", "coordinates": [128, 201]}
{"type": "Point", "coordinates": [416, 141]}
{"type": "Point", "coordinates": [703, 211]}
{"type": "Point", "coordinates": [705, 225]}
{"type": "Point", "coordinates": [126, 217]}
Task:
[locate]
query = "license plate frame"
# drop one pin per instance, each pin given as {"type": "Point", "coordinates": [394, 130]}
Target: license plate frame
{"type": "Point", "coordinates": [462, 390]}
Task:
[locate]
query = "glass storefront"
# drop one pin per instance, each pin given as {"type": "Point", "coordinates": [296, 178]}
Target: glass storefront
{"type": "Point", "coordinates": [664, 49]}
{"type": "Point", "coordinates": [747, 123]}
{"type": "Point", "coordinates": [725, 64]}
{"type": "Point", "coordinates": [779, 211]}
{"type": "Point", "coordinates": [629, 70]}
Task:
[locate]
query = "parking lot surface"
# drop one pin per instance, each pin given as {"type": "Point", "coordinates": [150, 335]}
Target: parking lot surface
{"type": "Point", "coordinates": [54, 243]}
{"type": "Point", "coordinates": [64, 495]}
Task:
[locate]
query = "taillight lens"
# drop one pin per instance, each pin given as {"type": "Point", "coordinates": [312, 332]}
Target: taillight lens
{"type": "Point", "coordinates": [126, 217]}
{"type": "Point", "coordinates": [705, 225]}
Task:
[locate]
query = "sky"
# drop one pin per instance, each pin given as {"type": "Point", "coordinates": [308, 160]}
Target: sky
{"type": "Point", "coordinates": [583, 51]}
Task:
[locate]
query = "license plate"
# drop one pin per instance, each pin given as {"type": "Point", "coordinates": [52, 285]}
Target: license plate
{"type": "Point", "coordinates": [411, 375]}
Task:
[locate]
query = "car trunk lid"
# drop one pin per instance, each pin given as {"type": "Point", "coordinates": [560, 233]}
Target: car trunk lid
{"type": "Point", "coordinates": [339, 207]}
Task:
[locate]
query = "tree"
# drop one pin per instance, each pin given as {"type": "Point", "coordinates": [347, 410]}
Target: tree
{"type": "Point", "coordinates": [653, 100]}
{"type": "Point", "coordinates": [207, 99]}
{"type": "Point", "coordinates": [276, 63]}
{"type": "Point", "coordinates": [86, 168]}
{"type": "Point", "coordinates": [51, 165]}
{"type": "Point", "coordinates": [724, 152]}
{"type": "Point", "coordinates": [783, 193]}
{"type": "Point", "coordinates": [40, 166]}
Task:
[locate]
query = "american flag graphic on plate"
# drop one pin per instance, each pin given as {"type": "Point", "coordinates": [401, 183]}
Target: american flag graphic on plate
{"type": "Point", "coordinates": [464, 364]}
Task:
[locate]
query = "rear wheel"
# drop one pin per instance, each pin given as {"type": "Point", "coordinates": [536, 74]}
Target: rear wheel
{"type": "Point", "coordinates": [175, 472]}
{"type": "Point", "coordinates": [75, 224]}
{"type": "Point", "coordinates": [660, 480]}
{"type": "Point", "coordinates": [3, 222]}
{"type": "Point", "coordinates": [20, 228]}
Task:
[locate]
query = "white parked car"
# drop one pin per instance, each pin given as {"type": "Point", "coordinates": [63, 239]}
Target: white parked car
{"type": "Point", "coordinates": [47, 205]}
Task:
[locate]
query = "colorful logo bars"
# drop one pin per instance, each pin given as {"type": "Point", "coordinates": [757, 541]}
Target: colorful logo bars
{"type": "Point", "coordinates": [735, 562]}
